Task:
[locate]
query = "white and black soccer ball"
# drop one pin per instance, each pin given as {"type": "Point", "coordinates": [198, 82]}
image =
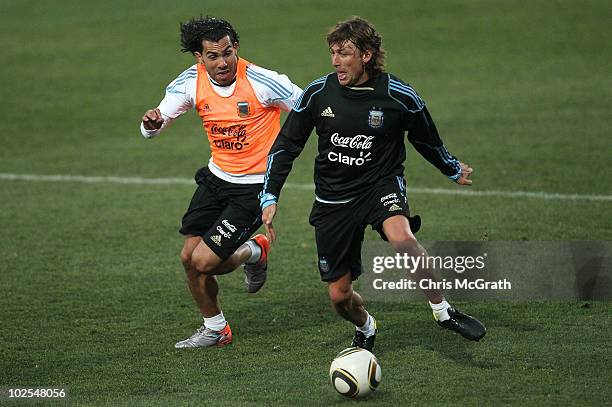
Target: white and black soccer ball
{"type": "Point", "coordinates": [355, 373]}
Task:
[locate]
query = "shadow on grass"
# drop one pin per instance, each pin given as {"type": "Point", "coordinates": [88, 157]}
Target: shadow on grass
{"type": "Point", "coordinates": [408, 330]}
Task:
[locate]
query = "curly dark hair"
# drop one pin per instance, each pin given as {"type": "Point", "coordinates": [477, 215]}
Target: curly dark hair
{"type": "Point", "coordinates": [196, 30]}
{"type": "Point", "coordinates": [361, 33]}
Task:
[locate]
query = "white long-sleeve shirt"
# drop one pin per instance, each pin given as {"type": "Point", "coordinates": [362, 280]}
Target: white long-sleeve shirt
{"type": "Point", "coordinates": [271, 89]}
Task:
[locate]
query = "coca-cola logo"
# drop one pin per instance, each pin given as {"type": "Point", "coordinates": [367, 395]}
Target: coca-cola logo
{"type": "Point", "coordinates": [359, 142]}
{"type": "Point", "coordinates": [236, 130]}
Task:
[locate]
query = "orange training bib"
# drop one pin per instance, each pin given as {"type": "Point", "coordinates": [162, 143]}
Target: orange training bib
{"type": "Point", "coordinates": [240, 130]}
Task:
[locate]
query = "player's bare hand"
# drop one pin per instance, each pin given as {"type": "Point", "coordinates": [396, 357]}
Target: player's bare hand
{"type": "Point", "coordinates": [466, 171]}
{"type": "Point", "coordinates": [267, 216]}
{"type": "Point", "coordinates": [152, 119]}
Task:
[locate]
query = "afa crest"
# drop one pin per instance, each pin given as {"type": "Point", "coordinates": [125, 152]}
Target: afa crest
{"type": "Point", "coordinates": [244, 110]}
{"type": "Point", "coordinates": [323, 265]}
{"type": "Point", "coordinates": [376, 118]}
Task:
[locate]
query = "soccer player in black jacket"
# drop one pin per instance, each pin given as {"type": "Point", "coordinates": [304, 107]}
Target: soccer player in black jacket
{"type": "Point", "coordinates": [361, 114]}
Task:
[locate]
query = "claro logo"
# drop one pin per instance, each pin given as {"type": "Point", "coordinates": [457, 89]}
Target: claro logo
{"type": "Point", "coordinates": [358, 142]}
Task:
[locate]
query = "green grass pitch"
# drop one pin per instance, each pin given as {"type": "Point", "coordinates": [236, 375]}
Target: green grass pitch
{"type": "Point", "coordinates": [93, 293]}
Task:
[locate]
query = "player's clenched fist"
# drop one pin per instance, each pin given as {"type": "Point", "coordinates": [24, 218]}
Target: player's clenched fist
{"type": "Point", "coordinates": [152, 119]}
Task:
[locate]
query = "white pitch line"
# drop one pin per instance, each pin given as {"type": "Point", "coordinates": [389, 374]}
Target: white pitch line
{"type": "Point", "coordinates": [414, 190]}
{"type": "Point", "coordinates": [92, 180]}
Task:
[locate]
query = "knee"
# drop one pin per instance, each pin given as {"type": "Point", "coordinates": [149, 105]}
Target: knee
{"type": "Point", "coordinates": [402, 239]}
{"type": "Point", "coordinates": [202, 265]}
{"type": "Point", "coordinates": [340, 296]}
{"type": "Point", "coordinates": [186, 258]}
{"type": "Point", "coordinates": [190, 274]}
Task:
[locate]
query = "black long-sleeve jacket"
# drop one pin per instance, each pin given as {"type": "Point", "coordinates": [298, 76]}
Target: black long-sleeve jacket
{"type": "Point", "coordinates": [360, 137]}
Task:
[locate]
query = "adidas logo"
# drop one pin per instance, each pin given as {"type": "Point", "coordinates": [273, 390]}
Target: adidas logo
{"type": "Point", "coordinates": [328, 112]}
{"type": "Point", "coordinates": [395, 207]}
{"type": "Point", "coordinates": [216, 239]}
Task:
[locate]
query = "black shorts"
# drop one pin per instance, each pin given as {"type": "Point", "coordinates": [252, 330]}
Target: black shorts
{"type": "Point", "coordinates": [340, 228]}
{"type": "Point", "coordinates": [223, 213]}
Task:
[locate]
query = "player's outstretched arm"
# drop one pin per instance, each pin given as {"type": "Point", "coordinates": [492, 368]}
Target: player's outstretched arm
{"type": "Point", "coordinates": [267, 215]}
{"type": "Point", "coordinates": [466, 171]}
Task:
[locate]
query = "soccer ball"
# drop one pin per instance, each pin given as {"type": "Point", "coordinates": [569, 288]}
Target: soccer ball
{"type": "Point", "coordinates": [355, 373]}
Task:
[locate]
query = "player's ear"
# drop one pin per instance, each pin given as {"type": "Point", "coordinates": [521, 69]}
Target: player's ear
{"type": "Point", "coordinates": [236, 46]}
{"type": "Point", "coordinates": [198, 57]}
{"type": "Point", "coordinates": [366, 56]}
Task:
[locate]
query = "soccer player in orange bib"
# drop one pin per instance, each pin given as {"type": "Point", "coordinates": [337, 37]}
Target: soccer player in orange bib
{"type": "Point", "coordinates": [240, 105]}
